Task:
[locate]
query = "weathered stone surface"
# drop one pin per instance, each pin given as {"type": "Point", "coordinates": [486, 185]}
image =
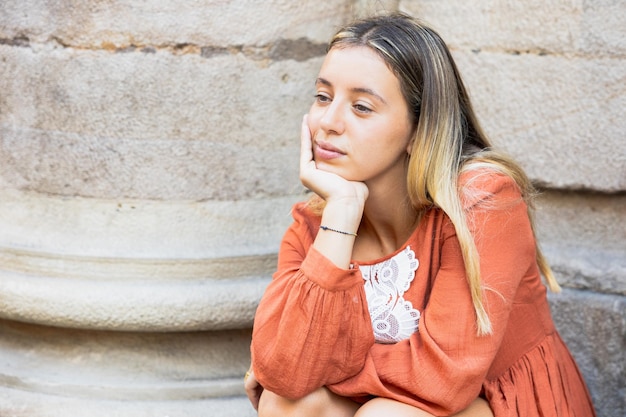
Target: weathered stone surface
{"type": "Point", "coordinates": [123, 365]}
{"type": "Point", "coordinates": [536, 26]}
{"type": "Point", "coordinates": [143, 229]}
{"type": "Point", "coordinates": [560, 118]}
{"type": "Point", "coordinates": [594, 328]}
{"type": "Point", "coordinates": [146, 305]}
{"type": "Point", "coordinates": [169, 22]}
{"type": "Point", "coordinates": [588, 268]}
{"type": "Point", "coordinates": [583, 219]}
{"type": "Point", "coordinates": [153, 126]}
{"type": "Point", "coordinates": [180, 265]}
{"type": "Point", "coordinates": [16, 403]}
{"type": "Point", "coordinates": [157, 96]}
{"type": "Point", "coordinates": [583, 236]}
{"type": "Point", "coordinates": [363, 8]}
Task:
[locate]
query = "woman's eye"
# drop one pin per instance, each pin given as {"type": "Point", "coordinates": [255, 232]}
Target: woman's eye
{"type": "Point", "coordinates": [361, 108]}
{"type": "Point", "coordinates": [321, 98]}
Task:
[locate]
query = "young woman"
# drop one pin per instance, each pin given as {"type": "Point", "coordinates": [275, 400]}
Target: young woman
{"type": "Point", "coordinates": [410, 284]}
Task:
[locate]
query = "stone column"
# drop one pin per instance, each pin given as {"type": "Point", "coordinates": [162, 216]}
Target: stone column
{"type": "Point", "coordinates": [547, 80]}
{"type": "Point", "coordinates": [148, 163]}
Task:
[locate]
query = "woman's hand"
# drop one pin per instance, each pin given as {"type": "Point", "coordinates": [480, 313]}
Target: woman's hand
{"type": "Point", "coordinates": [253, 388]}
{"type": "Point", "coordinates": [331, 187]}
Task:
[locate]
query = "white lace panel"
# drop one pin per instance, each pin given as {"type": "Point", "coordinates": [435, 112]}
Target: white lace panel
{"type": "Point", "coordinates": [393, 318]}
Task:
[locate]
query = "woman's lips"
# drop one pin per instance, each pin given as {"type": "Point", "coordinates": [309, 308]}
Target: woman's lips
{"type": "Point", "coordinates": [325, 150]}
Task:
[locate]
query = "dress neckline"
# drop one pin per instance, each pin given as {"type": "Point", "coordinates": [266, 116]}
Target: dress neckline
{"type": "Point", "coordinates": [402, 247]}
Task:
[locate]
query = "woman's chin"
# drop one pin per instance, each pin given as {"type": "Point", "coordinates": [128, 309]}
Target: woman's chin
{"type": "Point", "coordinates": [333, 170]}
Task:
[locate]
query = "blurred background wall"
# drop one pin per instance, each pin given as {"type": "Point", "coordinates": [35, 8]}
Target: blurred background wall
{"type": "Point", "coordinates": [148, 163]}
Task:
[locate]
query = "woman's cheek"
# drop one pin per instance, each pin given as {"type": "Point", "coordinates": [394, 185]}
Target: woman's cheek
{"type": "Point", "coordinates": [313, 123]}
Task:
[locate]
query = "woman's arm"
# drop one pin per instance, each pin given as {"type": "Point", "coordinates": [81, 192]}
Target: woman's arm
{"type": "Point", "coordinates": [312, 326]}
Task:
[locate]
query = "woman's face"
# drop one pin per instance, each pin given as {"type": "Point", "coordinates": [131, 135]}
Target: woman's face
{"type": "Point", "coordinates": [359, 122]}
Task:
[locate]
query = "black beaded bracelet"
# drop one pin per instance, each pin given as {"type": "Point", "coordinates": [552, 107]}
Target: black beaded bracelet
{"type": "Point", "coordinates": [337, 231]}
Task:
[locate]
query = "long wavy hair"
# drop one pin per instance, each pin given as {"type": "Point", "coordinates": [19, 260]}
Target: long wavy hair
{"type": "Point", "coordinates": [448, 138]}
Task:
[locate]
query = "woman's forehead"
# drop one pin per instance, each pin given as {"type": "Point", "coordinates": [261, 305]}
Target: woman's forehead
{"type": "Point", "coordinates": [358, 67]}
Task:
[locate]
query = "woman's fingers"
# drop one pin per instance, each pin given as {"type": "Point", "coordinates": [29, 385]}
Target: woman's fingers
{"type": "Point", "coordinates": [307, 163]}
{"type": "Point", "coordinates": [306, 144]}
{"type": "Point", "coordinates": [253, 389]}
{"type": "Point", "coordinates": [320, 182]}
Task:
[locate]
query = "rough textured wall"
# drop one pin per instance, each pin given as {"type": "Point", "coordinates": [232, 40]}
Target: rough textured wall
{"type": "Point", "coordinates": [148, 160]}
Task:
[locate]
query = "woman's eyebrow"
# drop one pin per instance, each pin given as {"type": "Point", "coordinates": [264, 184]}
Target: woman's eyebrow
{"type": "Point", "coordinates": [364, 90]}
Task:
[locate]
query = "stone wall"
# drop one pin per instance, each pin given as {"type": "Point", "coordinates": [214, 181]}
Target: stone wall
{"type": "Point", "coordinates": [148, 161]}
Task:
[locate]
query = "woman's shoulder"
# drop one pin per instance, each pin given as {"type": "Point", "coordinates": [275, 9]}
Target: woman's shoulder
{"type": "Point", "coordinates": [483, 183]}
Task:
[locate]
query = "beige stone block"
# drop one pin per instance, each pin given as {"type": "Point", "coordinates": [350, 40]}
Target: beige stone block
{"type": "Point", "coordinates": [16, 403]}
{"type": "Point", "coordinates": [151, 125]}
{"type": "Point", "coordinates": [156, 95]}
{"type": "Point", "coordinates": [603, 28]}
{"type": "Point", "coordinates": [174, 169]}
{"type": "Point", "coordinates": [142, 229]}
{"type": "Point", "coordinates": [583, 236]}
{"type": "Point", "coordinates": [577, 218]}
{"type": "Point", "coordinates": [62, 372]}
{"type": "Point", "coordinates": [559, 116]}
{"type": "Point", "coordinates": [364, 8]}
{"type": "Point", "coordinates": [180, 265]}
{"type": "Point", "coordinates": [168, 23]}
{"type": "Point", "coordinates": [124, 365]}
{"type": "Point", "coordinates": [155, 305]}
{"type": "Point", "coordinates": [538, 26]}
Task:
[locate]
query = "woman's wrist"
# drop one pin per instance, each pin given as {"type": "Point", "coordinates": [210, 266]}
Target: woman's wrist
{"type": "Point", "coordinates": [343, 232]}
{"type": "Point", "coordinates": [344, 215]}
{"type": "Point", "coordinates": [335, 240]}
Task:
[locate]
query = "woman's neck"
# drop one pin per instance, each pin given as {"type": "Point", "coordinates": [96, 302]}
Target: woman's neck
{"type": "Point", "coordinates": [388, 221]}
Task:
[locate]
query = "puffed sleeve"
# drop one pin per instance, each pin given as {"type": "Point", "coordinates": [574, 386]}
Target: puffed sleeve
{"type": "Point", "coordinates": [312, 326]}
{"type": "Point", "coordinates": [442, 366]}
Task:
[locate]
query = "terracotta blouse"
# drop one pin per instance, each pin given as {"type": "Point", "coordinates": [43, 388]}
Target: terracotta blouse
{"type": "Point", "coordinates": [313, 328]}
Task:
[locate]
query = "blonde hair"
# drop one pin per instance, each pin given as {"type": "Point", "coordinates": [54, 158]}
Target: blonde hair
{"type": "Point", "coordinates": [448, 138]}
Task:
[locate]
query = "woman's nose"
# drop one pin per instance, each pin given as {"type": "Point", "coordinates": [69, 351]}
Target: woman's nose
{"type": "Point", "coordinates": [332, 120]}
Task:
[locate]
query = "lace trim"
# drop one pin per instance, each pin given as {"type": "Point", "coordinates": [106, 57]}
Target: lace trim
{"type": "Point", "coordinates": [393, 318]}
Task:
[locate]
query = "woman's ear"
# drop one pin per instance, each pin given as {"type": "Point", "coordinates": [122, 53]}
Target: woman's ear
{"type": "Point", "coordinates": [409, 146]}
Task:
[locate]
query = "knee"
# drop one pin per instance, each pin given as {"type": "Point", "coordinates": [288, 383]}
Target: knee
{"type": "Point", "coordinates": [271, 405]}
{"type": "Point", "coordinates": [383, 407]}
{"type": "Point", "coordinates": [373, 408]}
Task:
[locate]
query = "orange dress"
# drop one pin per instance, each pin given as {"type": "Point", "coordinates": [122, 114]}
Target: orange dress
{"type": "Point", "coordinates": [313, 327]}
